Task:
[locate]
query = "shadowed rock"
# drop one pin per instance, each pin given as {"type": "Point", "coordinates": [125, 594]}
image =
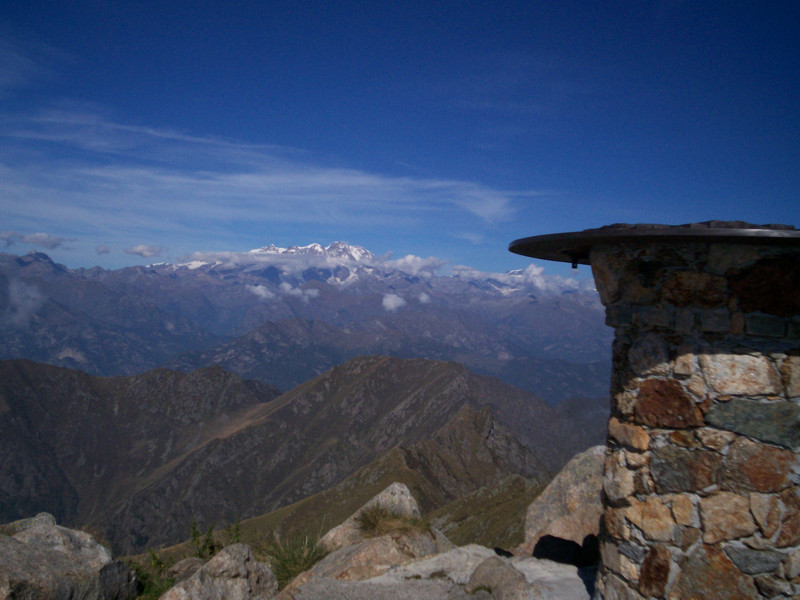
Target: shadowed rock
{"type": "Point", "coordinates": [42, 560]}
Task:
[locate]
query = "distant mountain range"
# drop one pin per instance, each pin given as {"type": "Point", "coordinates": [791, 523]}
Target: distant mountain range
{"type": "Point", "coordinates": [285, 315]}
{"type": "Point", "coordinates": [137, 458]}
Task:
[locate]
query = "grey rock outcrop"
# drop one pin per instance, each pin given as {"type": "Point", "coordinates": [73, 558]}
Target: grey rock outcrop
{"type": "Point", "coordinates": [43, 561]}
{"type": "Point", "coordinates": [570, 506]}
{"type": "Point", "coordinates": [183, 569]}
{"type": "Point", "coordinates": [233, 574]}
{"type": "Point", "coordinates": [470, 572]}
{"type": "Point", "coordinates": [395, 499]}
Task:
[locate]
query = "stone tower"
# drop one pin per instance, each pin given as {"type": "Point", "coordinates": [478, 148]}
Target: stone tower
{"type": "Point", "coordinates": [702, 477]}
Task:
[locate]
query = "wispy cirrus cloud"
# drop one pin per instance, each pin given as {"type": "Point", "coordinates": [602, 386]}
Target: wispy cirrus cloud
{"type": "Point", "coordinates": [91, 174]}
{"type": "Point", "coordinates": [145, 250]}
{"type": "Point", "coordinates": [77, 170]}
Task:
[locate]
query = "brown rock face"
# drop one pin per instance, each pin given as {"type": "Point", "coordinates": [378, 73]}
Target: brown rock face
{"type": "Point", "coordinates": [769, 286]}
{"type": "Point", "coordinates": [766, 510]}
{"type": "Point", "coordinates": [790, 526]}
{"type": "Point", "coordinates": [709, 574]}
{"type": "Point", "coordinates": [756, 467]}
{"type": "Point", "coordinates": [657, 522]}
{"type": "Point", "coordinates": [663, 403]}
{"type": "Point", "coordinates": [655, 571]}
{"type": "Point", "coordinates": [629, 435]}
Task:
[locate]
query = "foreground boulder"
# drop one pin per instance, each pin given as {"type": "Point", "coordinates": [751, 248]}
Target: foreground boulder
{"type": "Point", "coordinates": [569, 509]}
{"type": "Point", "coordinates": [233, 574]}
{"type": "Point", "coordinates": [357, 554]}
{"type": "Point", "coordinates": [41, 560]}
{"type": "Point", "coordinates": [395, 499]}
{"type": "Point", "coordinates": [467, 573]}
{"type": "Point", "coordinates": [418, 563]}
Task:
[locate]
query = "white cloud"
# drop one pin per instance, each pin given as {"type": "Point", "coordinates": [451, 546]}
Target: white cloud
{"type": "Point", "coordinates": [424, 298]}
{"type": "Point", "coordinates": [35, 239]}
{"type": "Point", "coordinates": [44, 239]}
{"type": "Point", "coordinates": [287, 289]}
{"type": "Point", "coordinates": [145, 250]}
{"type": "Point", "coordinates": [23, 301]}
{"type": "Point", "coordinates": [102, 249]}
{"type": "Point", "coordinates": [532, 278]}
{"type": "Point", "coordinates": [415, 265]}
{"type": "Point", "coordinates": [392, 302]}
{"type": "Point", "coordinates": [261, 291]}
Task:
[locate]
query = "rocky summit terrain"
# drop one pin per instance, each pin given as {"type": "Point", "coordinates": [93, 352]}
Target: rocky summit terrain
{"type": "Point", "coordinates": [138, 458]}
{"type": "Point", "coordinates": [285, 315]}
{"type": "Point", "coordinates": [383, 550]}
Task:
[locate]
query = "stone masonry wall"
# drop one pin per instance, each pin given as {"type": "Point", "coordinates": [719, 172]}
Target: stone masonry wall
{"type": "Point", "coordinates": [701, 475]}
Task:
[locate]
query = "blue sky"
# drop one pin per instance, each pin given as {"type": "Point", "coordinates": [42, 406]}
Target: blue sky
{"type": "Point", "coordinates": [136, 132]}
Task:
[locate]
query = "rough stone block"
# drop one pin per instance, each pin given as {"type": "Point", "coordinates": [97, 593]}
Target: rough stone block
{"type": "Point", "coordinates": [790, 523]}
{"type": "Point", "coordinates": [791, 565]}
{"type": "Point", "coordinates": [619, 315]}
{"type": "Point", "coordinates": [614, 523]}
{"type": "Point", "coordinates": [682, 470]}
{"type": "Point", "coordinates": [766, 510]}
{"type": "Point", "coordinates": [618, 481]}
{"type": "Point", "coordinates": [769, 286]}
{"type": "Point", "coordinates": [764, 325]}
{"type": "Point", "coordinates": [648, 355]}
{"type": "Point", "coordinates": [664, 403]}
{"type": "Point", "coordinates": [633, 551]}
{"type": "Point", "coordinates": [628, 435]}
{"type": "Point", "coordinates": [771, 586]}
{"type": "Point", "coordinates": [715, 321]}
{"type": "Point", "coordinates": [615, 588]}
{"type": "Point", "coordinates": [754, 562]}
{"type": "Point", "coordinates": [642, 482]}
{"type": "Point", "coordinates": [689, 536]}
{"type": "Point", "coordinates": [740, 374]}
{"type": "Point", "coordinates": [790, 374]}
{"type": "Point", "coordinates": [691, 288]}
{"type": "Point", "coordinates": [684, 438]}
{"type": "Point", "coordinates": [708, 573]}
{"type": "Point", "coordinates": [655, 571]}
{"type": "Point", "coordinates": [697, 385]}
{"type": "Point", "coordinates": [625, 402]}
{"type": "Point", "coordinates": [684, 363]}
{"type": "Point", "coordinates": [657, 522]}
{"type": "Point", "coordinates": [723, 258]}
{"type": "Point", "coordinates": [714, 439]}
{"type": "Point", "coordinates": [618, 562]}
{"type": "Point", "coordinates": [776, 422]}
{"type": "Point", "coordinates": [726, 516]}
{"type": "Point", "coordinates": [753, 467]}
{"type": "Point", "coordinates": [637, 460]}
{"type": "Point", "coordinates": [683, 510]}
{"type": "Point", "coordinates": [683, 320]}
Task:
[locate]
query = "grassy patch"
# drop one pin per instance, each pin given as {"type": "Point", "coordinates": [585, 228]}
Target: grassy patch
{"type": "Point", "coordinates": [291, 555]}
{"type": "Point", "coordinates": [376, 520]}
{"type": "Point", "coordinates": [151, 577]}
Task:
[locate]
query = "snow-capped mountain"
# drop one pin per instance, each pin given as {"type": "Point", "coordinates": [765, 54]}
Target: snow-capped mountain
{"type": "Point", "coordinates": [284, 314]}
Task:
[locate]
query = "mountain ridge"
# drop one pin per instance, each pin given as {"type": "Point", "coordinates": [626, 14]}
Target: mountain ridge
{"type": "Point", "coordinates": [165, 447]}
